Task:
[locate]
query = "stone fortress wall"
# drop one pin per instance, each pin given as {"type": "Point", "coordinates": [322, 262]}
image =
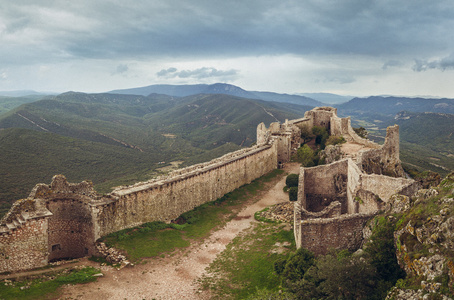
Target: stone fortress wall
{"type": "Point", "coordinates": [64, 220]}
{"type": "Point", "coordinates": [336, 200]}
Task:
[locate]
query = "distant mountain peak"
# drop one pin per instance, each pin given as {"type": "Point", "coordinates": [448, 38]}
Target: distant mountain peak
{"type": "Point", "coordinates": [218, 88]}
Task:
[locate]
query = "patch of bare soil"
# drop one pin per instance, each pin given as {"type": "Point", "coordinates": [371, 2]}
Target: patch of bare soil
{"type": "Point", "coordinates": [175, 277]}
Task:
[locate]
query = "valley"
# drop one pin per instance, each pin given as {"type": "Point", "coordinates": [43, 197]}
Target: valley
{"type": "Point", "coordinates": [117, 139]}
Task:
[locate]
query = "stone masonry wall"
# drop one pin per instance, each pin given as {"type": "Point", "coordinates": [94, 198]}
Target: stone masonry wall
{"type": "Point", "coordinates": [165, 200]}
{"type": "Point", "coordinates": [325, 184]}
{"type": "Point", "coordinates": [24, 247]}
{"type": "Point", "coordinates": [321, 235]}
{"type": "Point", "coordinates": [70, 229]}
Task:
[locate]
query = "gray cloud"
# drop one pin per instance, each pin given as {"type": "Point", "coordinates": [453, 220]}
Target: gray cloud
{"type": "Point", "coordinates": [166, 73]}
{"type": "Point", "coordinates": [121, 69]}
{"type": "Point", "coordinates": [391, 63]}
{"type": "Point", "coordinates": [341, 79]}
{"type": "Point", "coordinates": [200, 73]}
{"type": "Point", "coordinates": [443, 64]}
{"type": "Point", "coordinates": [102, 29]}
{"type": "Point", "coordinates": [109, 37]}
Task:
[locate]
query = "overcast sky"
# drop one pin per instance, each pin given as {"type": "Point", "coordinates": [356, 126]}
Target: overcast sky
{"type": "Point", "coordinates": [349, 47]}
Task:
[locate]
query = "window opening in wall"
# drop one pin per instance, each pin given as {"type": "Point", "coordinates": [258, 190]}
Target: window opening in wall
{"type": "Point", "coordinates": [56, 247]}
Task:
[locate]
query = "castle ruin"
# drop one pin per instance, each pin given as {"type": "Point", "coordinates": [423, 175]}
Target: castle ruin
{"type": "Point", "coordinates": [64, 220]}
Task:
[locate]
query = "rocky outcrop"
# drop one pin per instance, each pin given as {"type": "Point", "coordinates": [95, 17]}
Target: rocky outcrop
{"type": "Point", "coordinates": [424, 240]}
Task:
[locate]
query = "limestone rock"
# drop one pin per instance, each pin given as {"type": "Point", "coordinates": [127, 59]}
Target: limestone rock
{"type": "Point", "coordinates": [398, 204]}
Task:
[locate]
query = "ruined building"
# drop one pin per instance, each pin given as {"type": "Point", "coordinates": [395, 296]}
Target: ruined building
{"type": "Point", "coordinates": [64, 220]}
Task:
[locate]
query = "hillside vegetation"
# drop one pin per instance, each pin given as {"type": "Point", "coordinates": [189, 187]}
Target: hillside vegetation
{"type": "Point", "coordinates": [121, 139]}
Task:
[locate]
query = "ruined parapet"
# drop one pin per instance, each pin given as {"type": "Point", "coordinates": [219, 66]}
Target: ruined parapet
{"type": "Point", "coordinates": [263, 134]}
{"type": "Point", "coordinates": [59, 185]}
{"type": "Point", "coordinates": [280, 135]}
{"type": "Point", "coordinates": [54, 222]}
{"type": "Point", "coordinates": [385, 159]}
{"type": "Point", "coordinates": [323, 234]}
{"type": "Point", "coordinates": [331, 211]}
{"type": "Point", "coordinates": [336, 200]}
{"type": "Point", "coordinates": [166, 198]}
{"type": "Point", "coordinates": [343, 127]}
{"type": "Point", "coordinates": [321, 116]}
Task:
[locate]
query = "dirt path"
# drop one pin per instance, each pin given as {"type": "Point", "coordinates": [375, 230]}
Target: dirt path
{"type": "Point", "coordinates": [175, 277]}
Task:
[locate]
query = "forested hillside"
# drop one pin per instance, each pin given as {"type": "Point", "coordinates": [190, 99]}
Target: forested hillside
{"type": "Point", "coordinates": [121, 139]}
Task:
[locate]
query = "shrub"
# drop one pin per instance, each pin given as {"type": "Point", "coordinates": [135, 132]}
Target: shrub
{"type": "Point", "coordinates": [293, 193]}
{"type": "Point", "coordinates": [305, 156]}
{"type": "Point", "coordinates": [321, 135]}
{"type": "Point", "coordinates": [382, 252]}
{"type": "Point", "coordinates": [334, 140]}
{"type": "Point", "coordinates": [297, 264]}
{"type": "Point", "coordinates": [362, 132]}
{"type": "Point", "coordinates": [292, 180]}
{"type": "Point", "coordinates": [306, 134]}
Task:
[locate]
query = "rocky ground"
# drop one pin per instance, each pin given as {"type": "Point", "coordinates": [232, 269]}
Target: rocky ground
{"type": "Point", "coordinates": [175, 277]}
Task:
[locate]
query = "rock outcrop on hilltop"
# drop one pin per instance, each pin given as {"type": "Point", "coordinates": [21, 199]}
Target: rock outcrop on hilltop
{"type": "Point", "coordinates": [424, 240]}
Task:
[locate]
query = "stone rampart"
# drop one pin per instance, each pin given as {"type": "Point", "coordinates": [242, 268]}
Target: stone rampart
{"type": "Point", "coordinates": [166, 199]}
{"type": "Point", "coordinates": [63, 220]}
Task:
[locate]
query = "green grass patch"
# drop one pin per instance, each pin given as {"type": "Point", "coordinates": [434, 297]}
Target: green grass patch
{"type": "Point", "coordinates": [247, 264]}
{"type": "Point", "coordinates": [45, 287]}
{"type": "Point", "coordinates": [153, 239]}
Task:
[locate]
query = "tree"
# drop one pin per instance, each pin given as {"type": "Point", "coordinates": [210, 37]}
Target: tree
{"type": "Point", "coordinates": [297, 264]}
{"type": "Point", "coordinates": [321, 135]}
{"type": "Point", "coordinates": [305, 155]}
{"type": "Point", "coordinates": [351, 277]}
{"type": "Point", "coordinates": [306, 134]}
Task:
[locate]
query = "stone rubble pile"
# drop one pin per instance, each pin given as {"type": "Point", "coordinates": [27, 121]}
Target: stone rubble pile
{"type": "Point", "coordinates": [282, 212]}
{"type": "Point", "coordinates": [112, 255]}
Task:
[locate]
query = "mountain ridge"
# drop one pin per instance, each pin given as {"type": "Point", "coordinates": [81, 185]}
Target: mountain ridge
{"type": "Point", "coordinates": [218, 88]}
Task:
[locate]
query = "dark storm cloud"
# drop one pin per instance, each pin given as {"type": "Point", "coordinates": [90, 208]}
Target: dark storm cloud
{"type": "Point", "coordinates": [101, 29]}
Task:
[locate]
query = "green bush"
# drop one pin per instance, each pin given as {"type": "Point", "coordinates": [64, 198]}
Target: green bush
{"type": "Point", "coordinates": [382, 252]}
{"type": "Point", "coordinates": [334, 140]}
{"type": "Point", "coordinates": [306, 134]}
{"type": "Point", "coordinates": [321, 135]}
{"type": "Point", "coordinates": [293, 193]}
{"type": "Point", "coordinates": [297, 264]}
{"type": "Point", "coordinates": [362, 132]}
{"type": "Point", "coordinates": [292, 180]}
{"type": "Point", "coordinates": [305, 156]}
